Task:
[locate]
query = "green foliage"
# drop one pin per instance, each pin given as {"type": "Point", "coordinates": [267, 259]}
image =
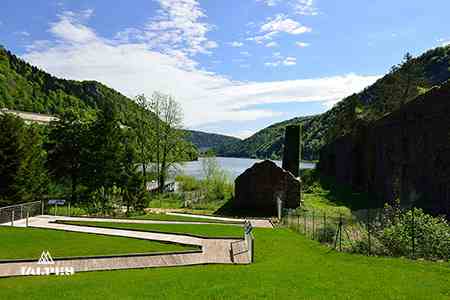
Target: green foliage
{"type": "Point", "coordinates": [75, 211]}
{"type": "Point", "coordinates": [326, 234]}
{"type": "Point", "coordinates": [188, 183]}
{"type": "Point", "coordinates": [27, 88]}
{"type": "Point", "coordinates": [431, 235]}
{"type": "Point", "coordinates": [66, 149]}
{"type": "Point", "coordinates": [205, 141]}
{"type": "Point", "coordinates": [23, 176]}
{"type": "Point", "coordinates": [216, 184]}
{"type": "Point", "coordinates": [402, 84]}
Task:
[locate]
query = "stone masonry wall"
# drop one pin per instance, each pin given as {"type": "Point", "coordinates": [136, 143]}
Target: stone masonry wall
{"type": "Point", "coordinates": [405, 155]}
{"type": "Point", "coordinates": [258, 187]}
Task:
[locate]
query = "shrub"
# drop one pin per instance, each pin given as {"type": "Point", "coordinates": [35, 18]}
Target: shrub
{"type": "Point", "coordinates": [431, 235]}
{"type": "Point", "coordinates": [188, 183]}
{"type": "Point", "coordinates": [326, 234]}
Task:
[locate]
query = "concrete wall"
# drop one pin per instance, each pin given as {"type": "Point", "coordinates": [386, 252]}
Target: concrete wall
{"type": "Point", "coordinates": [405, 155]}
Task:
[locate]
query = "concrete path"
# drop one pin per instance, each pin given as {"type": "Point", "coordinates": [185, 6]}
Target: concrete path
{"type": "Point", "coordinates": [213, 250]}
{"type": "Point", "coordinates": [262, 223]}
{"type": "Point", "coordinates": [111, 220]}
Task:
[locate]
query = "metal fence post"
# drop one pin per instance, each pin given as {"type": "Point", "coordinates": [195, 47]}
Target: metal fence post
{"type": "Point", "coordinates": [313, 225]}
{"type": "Point", "coordinates": [340, 232]}
{"type": "Point", "coordinates": [413, 234]}
{"type": "Point", "coordinates": [12, 218]}
{"type": "Point", "coordinates": [304, 223]}
{"type": "Point", "coordinates": [28, 215]}
{"type": "Point", "coordinates": [298, 223]}
{"type": "Point", "coordinates": [368, 232]}
{"type": "Point", "coordinates": [325, 231]}
{"type": "Point", "coordinates": [42, 207]}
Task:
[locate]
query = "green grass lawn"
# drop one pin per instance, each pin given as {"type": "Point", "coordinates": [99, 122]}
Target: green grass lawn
{"type": "Point", "coordinates": [206, 230]}
{"type": "Point", "coordinates": [164, 217]}
{"type": "Point", "coordinates": [287, 266]}
{"type": "Point", "coordinates": [28, 243]}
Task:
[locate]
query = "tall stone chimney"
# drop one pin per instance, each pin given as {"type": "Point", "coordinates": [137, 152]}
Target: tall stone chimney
{"type": "Point", "coordinates": [291, 153]}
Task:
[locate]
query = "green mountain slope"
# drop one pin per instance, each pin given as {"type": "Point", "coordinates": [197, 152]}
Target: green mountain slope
{"type": "Point", "coordinates": [206, 141]}
{"type": "Point", "coordinates": [25, 87]}
{"type": "Point", "coordinates": [402, 84]}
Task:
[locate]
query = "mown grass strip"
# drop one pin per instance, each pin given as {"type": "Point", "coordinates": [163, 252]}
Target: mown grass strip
{"type": "Point", "coordinates": [28, 243]}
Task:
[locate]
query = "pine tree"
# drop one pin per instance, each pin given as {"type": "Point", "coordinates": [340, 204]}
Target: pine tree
{"type": "Point", "coordinates": [23, 176]}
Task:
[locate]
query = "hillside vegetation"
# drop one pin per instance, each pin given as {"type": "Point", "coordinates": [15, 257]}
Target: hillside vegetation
{"type": "Point", "coordinates": [205, 141]}
{"type": "Point", "coordinates": [401, 84]}
{"type": "Point", "coordinates": [27, 88]}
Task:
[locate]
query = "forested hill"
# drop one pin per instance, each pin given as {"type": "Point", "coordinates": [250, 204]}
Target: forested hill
{"type": "Point", "coordinates": [25, 87]}
{"type": "Point", "coordinates": [400, 85]}
{"type": "Point", "coordinates": [205, 141]}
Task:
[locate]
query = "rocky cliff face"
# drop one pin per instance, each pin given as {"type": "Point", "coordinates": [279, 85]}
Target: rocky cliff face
{"type": "Point", "coordinates": [405, 155]}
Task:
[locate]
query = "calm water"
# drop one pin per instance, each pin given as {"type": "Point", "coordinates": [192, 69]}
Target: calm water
{"type": "Point", "coordinates": [233, 166]}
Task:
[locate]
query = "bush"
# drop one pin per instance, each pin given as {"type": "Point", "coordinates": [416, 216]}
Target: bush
{"type": "Point", "coordinates": [326, 234]}
{"type": "Point", "coordinates": [64, 211]}
{"type": "Point", "coordinates": [217, 184]}
{"type": "Point", "coordinates": [188, 183]}
{"type": "Point", "coordinates": [431, 235]}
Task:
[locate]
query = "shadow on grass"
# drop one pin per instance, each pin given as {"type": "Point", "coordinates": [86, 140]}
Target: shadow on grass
{"type": "Point", "coordinates": [229, 210]}
{"type": "Point", "coordinates": [336, 193]}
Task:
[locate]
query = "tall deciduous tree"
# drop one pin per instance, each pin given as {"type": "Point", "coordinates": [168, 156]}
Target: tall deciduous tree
{"type": "Point", "coordinates": [143, 131]}
{"type": "Point", "coordinates": [168, 137]}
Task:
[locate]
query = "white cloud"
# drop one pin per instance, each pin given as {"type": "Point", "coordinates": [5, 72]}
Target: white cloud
{"type": "Point", "coordinates": [270, 2]}
{"type": "Point", "coordinates": [272, 44]}
{"type": "Point", "coordinates": [444, 42]}
{"type": "Point", "coordinates": [300, 7]}
{"type": "Point", "coordinates": [290, 61]}
{"type": "Point", "coordinates": [305, 7]}
{"type": "Point", "coordinates": [302, 44]}
{"type": "Point", "coordinates": [243, 134]}
{"type": "Point", "coordinates": [70, 29]}
{"type": "Point", "coordinates": [279, 60]}
{"type": "Point", "coordinates": [176, 26]}
{"type": "Point", "coordinates": [236, 44]}
{"type": "Point", "coordinates": [276, 25]}
{"type": "Point", "coordinates": [281, 23]}
{"type": "Point", "coordinates": [23, 33]}
{"type": "Point", "coordinates": [245, 53]}
{"type": "Point", "coordinates": [133, 67]}
{"type": "Point", "coordinates": [272, 64]}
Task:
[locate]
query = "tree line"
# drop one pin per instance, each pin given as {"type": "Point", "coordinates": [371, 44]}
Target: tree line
{"type": "Point", "coordinates": [90, 157]}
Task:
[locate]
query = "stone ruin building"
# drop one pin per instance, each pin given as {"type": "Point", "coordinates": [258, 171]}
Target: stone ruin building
{"type": "Point", "coordinates": [405, 155]}
{"type": "Point", "coordinates": [259, 187]}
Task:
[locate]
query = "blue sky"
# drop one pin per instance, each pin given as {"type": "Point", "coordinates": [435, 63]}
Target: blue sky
{"type": "Point", "coordinates": [235, 66]}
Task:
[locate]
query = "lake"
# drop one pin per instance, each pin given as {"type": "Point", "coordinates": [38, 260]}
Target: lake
{"type": "Point", "coordinates": [233, 166]}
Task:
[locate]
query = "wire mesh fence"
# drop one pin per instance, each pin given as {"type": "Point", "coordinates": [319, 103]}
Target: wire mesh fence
{"type": "Point", "coordinates": [404, 232]}
{"type": "Point", "coordinates": [10, 214]}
